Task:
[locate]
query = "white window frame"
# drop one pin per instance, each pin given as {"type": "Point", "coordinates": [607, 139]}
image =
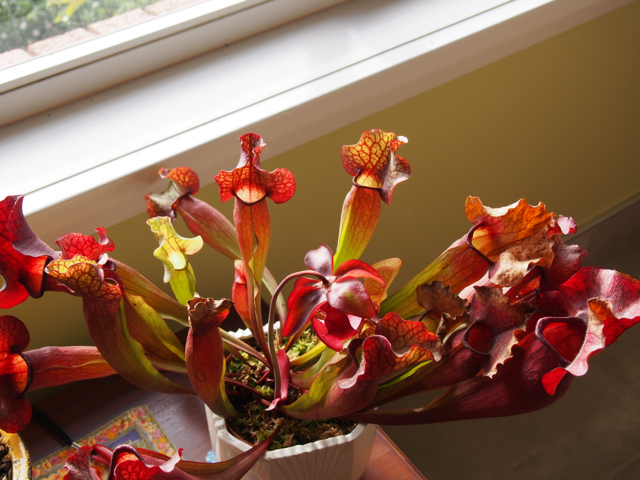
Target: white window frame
{"type": "Point", "coordinates": [113, 58]}
{"type": "Point", "coordinates": [336, 89]}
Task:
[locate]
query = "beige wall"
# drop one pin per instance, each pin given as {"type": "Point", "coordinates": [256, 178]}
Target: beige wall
{"type": "Point", "coordinates": [558, 122]}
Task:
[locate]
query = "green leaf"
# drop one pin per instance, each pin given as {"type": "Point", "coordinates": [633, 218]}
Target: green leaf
{"type": "Point", "coordinates": [148, 327]}
{"type": "Point", "coordinates": [360, 214]}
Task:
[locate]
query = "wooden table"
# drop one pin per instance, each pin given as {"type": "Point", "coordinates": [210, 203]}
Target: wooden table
{"type": "Point", "coordinates": [86, 406]}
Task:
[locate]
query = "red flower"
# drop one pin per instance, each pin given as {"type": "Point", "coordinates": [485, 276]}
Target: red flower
{"type": "Point", "coordinates": [343, 292]}
{"type": "Point", "coordinates": [74, 244]}
{"type": "Point", "coordinates": [15, 410]}
{"type": "Point", "coordinates": [41, 368]}
{"type": "Point", "coordinates": [129, 463]}
{"type": "Point", "coordinates": [248, 182]}
{"type": "Point", "coordinates": [184, 182]}
{"type": "Point", "coordinates": [587, 313]}
{"type": "Point", "coordinates": [374, 164]}
{"type": "Point", "coordinates": [23, 256]}
{"type": "Point", "coordinates": [333, 326]}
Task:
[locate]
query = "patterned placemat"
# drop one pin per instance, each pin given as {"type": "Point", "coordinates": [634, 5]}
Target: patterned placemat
{"type": "Point", "coordinates": [136, 427]}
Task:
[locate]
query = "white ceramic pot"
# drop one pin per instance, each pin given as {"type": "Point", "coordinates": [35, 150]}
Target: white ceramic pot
{"type": "Point", "coordinates": [19, 455]}
{"type": "Point", "coordinates": [337, 458]}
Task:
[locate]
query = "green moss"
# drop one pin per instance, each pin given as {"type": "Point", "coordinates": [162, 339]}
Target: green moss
{"type": "Point", "coordinates": [306, 342]}
{"type": "Point", "coordinates": [254, 423]}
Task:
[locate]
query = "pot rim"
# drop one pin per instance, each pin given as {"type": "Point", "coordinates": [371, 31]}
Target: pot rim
{"type": "Point", "coordinates": [221, 426]}
{"type": "Point", "coordinates": [245, 333]}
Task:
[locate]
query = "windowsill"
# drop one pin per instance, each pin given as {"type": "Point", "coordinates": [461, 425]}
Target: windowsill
{"type": "Point", "coordinates": [92, 158]}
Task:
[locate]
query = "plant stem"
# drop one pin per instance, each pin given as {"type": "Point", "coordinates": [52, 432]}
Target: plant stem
{"type": "Point", "coordinates": [272, 314]}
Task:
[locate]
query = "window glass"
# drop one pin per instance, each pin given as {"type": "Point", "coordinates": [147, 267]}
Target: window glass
{"type": "Point", "coordinates": [27, 27]}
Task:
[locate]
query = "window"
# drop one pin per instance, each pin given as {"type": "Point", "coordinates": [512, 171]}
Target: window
{"type": "Point", "coordinates": [70, 73]}
{"type": "Point", "coordinates": [30, 28]}
{"type": "Point", "coordinates": [292, 83]}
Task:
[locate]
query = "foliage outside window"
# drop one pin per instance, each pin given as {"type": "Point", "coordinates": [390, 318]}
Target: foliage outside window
{"type": "Point", "coordinates": [23, 22]}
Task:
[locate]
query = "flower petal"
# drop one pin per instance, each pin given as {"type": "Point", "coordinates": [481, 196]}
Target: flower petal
{"type": "Point", "coordinates": [173, 248]}
{"type": "Point", "coordinates": [607, 303]}
{"type": "Point", "coordinates": [508, 240]}
{"type": "Point", "coordinates": [387, 271]}
{"type": "Point", "coordinates": [15, 410]}
{"type": "Point", "coordinates": [516, 388]}
{"type": "Point", "coordinates": [184, 182]}
{"type": "Point", "coordinates": [14, 336]}
{"type": "Point", "coordinates": [349, 296]}
{"type": "Point", "coordinates": [23, 256]}
{"type": "Point", "coordinates": [334, 328]}
{"type": "Point", "coordinates": [172, 252]}
{"type": "Point", "coordinates": [436, 299]}
{"type": "Point", "coordinates": [357, 269]}
{"type": "Point", "coordinates": [284, 364]}
{"type": "Point", "coordinates": [374, 163]}
{"type": "Point", "coordinates": [78, 466]}
{"type": "Point", "coordinates": [74, 244]}
{"type": "Point", "coordinates": [320, 260]}
{"type": "Point", "coordinates": [250, 183]}
{"type": "Point", "coordinates": [529, 243]}
{"type": "Point", "coordinates": [302, 302]}
{"type": "Point", "coordinates": [495, 322]}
